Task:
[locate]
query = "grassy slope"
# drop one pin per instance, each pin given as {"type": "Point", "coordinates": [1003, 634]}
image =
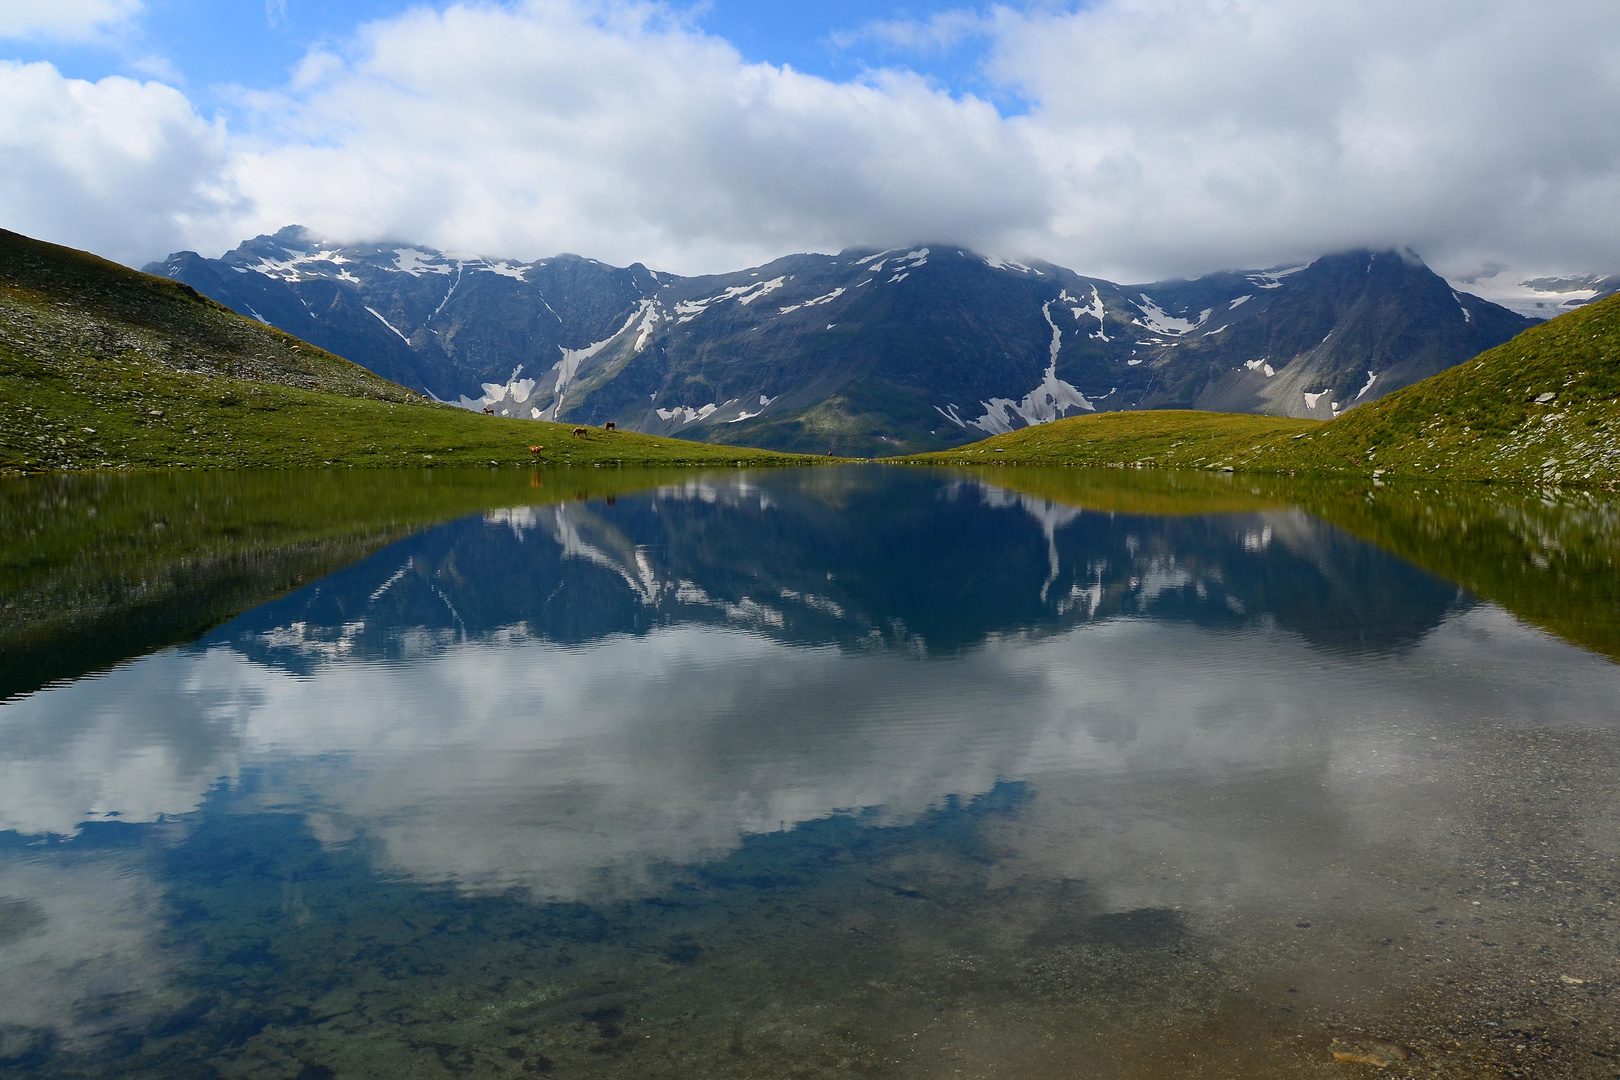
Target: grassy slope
{"type": "Point", "coordinates": [101, 366]}
{"type": "Point", "coordinates": [95, 568]}
{"type": "Point", "coordinates": [1167, 437]}
{"type": "Point", "coordinates": [1477, 421]}
{"type": "Point", "coordinates": [1481, 421]}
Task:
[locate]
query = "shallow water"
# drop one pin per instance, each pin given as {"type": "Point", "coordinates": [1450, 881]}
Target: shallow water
{"type": "Point", "coordinates": [841, 772]}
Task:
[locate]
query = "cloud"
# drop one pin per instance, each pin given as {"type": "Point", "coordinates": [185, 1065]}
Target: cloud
{"type": "Point", "coordinates": [1184, 134]}
{"type": "Point", "coordinates": [117, 166]}
{"type": "Point", "coordinates": [71, 20]}
{"type": "Point", "coordinates": [1160, 137]}
{"type": "Point", "coordinates": [940, 32]}
{"type": "Point", "coordinates": [542, 129]}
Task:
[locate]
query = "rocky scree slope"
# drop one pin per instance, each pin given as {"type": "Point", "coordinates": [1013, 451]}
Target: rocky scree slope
{"type": "Point", "coordinates": [863, 352]}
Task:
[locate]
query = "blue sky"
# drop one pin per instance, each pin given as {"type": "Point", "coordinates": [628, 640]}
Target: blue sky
{"type": "Point", "coordinates": [212, 47]}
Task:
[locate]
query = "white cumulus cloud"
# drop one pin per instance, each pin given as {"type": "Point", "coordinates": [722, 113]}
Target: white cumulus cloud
{"type": "Point", "coordinates": [121, 167]}
{"type": "Point", "coordinates": [1160, 137]}
{"type": "Point", "coordinates": [544, 128]}
{"type": "Point", "coordinates": [1187, 134]}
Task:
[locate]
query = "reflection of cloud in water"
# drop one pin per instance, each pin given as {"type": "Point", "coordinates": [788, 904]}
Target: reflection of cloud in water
{"type": "Point", "coordinates": [78, 943]}
{"type": "Point", "coordinates": [592, 771]}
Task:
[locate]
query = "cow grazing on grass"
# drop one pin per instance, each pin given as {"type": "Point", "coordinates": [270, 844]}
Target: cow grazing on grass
{"type": "Point", "coordinates": [610, 426]}
{"type": "Point", "coordinates": [489, 412]}
{"type": "Point", "coordinates": [535, 449]}
{"type": "Point", "coordinates": [580, 433]}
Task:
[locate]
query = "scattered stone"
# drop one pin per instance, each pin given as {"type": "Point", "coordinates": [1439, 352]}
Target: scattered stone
{"type": "Point", "coordinates": [1368, 1050]}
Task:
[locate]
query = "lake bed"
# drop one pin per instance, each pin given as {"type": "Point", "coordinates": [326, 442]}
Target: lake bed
{"type": "Point", "coordinates": [826, 772]}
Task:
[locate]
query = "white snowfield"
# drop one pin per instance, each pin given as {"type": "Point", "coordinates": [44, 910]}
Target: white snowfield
{"type": "Point", "coordinates": [1007, 264]}
{"type": "Point", "coordinates": [1051, 400]}
{"type": "Point", "coordinates": [688, 415]}
{"type": "Point", "coordinates": [826, 299]}
{"type": "Point", "coordinates": [1093, 310]}
{"type": "Point", "coordinates": [329, 262]}
{"type": "Point", "coordinates": [568, 366]}
{"type": "Point", "coordinates": [1159, 321]}
{"type": "Point", "coordinates": [687, 310]}
{"type": "Point", "coordinates": [297, 266]}
{"type": "Point", "coordinates": [1272, 279]}
{"type": "Point", "coordinates": [517, 391]}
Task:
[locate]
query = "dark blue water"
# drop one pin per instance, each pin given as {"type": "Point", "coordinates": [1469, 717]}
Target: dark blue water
{"type": "Point", "coordinates": [848, 772]}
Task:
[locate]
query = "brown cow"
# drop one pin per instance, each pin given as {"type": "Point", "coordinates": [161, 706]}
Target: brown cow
{"type": "Point", "coordinates": [489, 412]}
{"type": "Point", "coordinates": [580, 433]}
{"type": "Point", "coordinates": [535, 449]}
{"type": "Point", "coordinates": [610, 426]}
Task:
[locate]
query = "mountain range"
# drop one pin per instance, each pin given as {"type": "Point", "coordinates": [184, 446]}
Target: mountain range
{"type": "Point", "coordinates": [863, 352]}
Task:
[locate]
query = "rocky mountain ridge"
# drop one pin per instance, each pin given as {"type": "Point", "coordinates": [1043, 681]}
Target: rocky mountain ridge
{"type": "Point", "coordinates": [864, 352]}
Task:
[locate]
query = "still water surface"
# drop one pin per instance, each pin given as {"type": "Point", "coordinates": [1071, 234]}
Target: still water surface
{"type": "Point", "coordinates": [836, 772]}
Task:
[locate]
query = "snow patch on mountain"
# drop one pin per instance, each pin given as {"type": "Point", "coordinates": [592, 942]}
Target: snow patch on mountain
{"type": "Point", "coordinates": [687, 310]}
{"type": "Point", "coordinates": [515, 390]}
{"type": "Point", "coordinates": [649, 320]}
{"type": "Point", "coordinates": [1240, 301]}
{"type": "Point", "coordinates": [1007, 264]}
{"type": "Point", "coordinates": [688, 415]}
{"type": "Point", "coordinates": [296, 266]}
{"type": "Point", "coordinates": [1159, 321]}
{"type": "Point", "coordinates": [1049, 401]}
{"type": "Point", "coordinates": [568, 366]}
{"type": "Point", "coordinates": [747, 294]}
{"type": "Point", "coordinates": [1371, 378]}
{"type": "Point", "coordinates": [504, 269]}
{"type": "Point", "coordinates": [1092, 310]}
{"type": "Point", "coordinates": [416, 262]}
{"type": "Point", "coordinates": [827, 299]}
{"type": "Point", "coordinates": [382, 320]}
{"type": "Point", "coordinates": [1273, 278]}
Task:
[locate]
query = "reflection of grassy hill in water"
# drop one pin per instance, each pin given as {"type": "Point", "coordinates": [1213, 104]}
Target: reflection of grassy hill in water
{"type": "Point", "coordinates": [1543, 407]}
{"type": "Point", "coordinates": [96, 569]}
{"type": "Point", "coordinates": [1553, 562]}
{"type": "Point", "coordinates": [102, 367]}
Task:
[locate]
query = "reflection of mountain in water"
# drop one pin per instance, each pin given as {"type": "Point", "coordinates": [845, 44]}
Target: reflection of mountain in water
{"type": "Point", "coordinates": [932, 567]}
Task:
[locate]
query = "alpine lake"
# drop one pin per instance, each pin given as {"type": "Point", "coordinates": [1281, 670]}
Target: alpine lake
{"type": "Point", "coordinates": [846, 771]}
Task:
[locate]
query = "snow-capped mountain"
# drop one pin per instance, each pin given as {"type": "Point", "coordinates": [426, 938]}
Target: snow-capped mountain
{"type": "Point", "coordinates": [861, 352]}
{"type": "Point", "coordinates": [432, 321]}
{"type": "Point", "coordinates": [1542, 297]}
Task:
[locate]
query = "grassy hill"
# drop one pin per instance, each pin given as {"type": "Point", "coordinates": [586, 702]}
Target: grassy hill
{"type": "Point", "coordinates": [104, 367]}
{"type": "Point", "coordinates": [1544, 407]}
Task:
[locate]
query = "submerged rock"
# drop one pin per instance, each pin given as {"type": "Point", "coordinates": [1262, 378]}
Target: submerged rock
{"type": "Point", "coordinates": [1367, 1050]}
